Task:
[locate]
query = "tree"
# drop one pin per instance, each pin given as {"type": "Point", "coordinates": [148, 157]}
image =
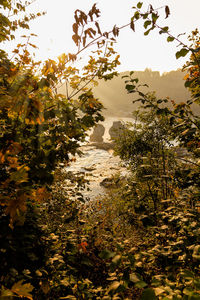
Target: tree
{"type": "Point", "coordinates": [40, 127]}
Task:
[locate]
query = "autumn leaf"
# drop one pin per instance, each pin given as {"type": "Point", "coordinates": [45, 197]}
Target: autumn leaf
{"type": "Point", "coordinates": [2, 158]}
{"type": "Point", "coordinates": [82, 246]}
{"type": "Point", "coordinates": [22, 289]}
{"type": "Point", "coordinates": [75, 28]}
{"type": "Point", "coordinates": [40, 194]}
{"type": "Point", "coordinates": [186, 77]}
{"type": "Point", "coordinates": [72, 57]}
{"type": "Point", "coordinates": [14, 148]}
{"type": "Point", "coordinates": [98, 28]}
{"type": "Point", "coordinates": [14, 206]}
{"type": "Point", "coordinates": [76, 38]}
{"type": "Point", "coordinates": [114, 286]}
{"type": "Point", "coordinates": [167, 11]}
{"type": "Point", "coordinates": [13, 161]}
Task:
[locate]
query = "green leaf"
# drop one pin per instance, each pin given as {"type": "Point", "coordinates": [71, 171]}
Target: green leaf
{"type": "Point", "coordinates": [159, 101]}
{"type": "Point", "coordinates": [129, 87]}
{"type": "Point", "coordinates": [183, 52]}
{"type": "Point", "coordinates": [170, 39]}
{"type": "Point", "coordinates": [148, 294]}
{"type": "Point", "coordinates": [136, 15]}
{"type": "Point", "coordinates": [132, 25]}
{"type": "Point", "coordinates": [106, 254]}
{"type": "Point", "coordinates": [147, 23]}
{"type": "Point", "coordinates": [154, 17]}
{"type": "Point", "coordinates": [147, 32]}
{"type": "Point", "coordinates": [164, 30]}
{"type": "Point", "coordinates": [145, 16]}
{"type": "Point", "coordinates": [139, 5]}
{"type": "Point", "coordinates": [140, 284]}
{"type": "Point", "coordinates": [188, 83]}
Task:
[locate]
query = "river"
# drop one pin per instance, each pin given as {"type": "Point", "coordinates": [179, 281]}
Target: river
{"type": "Point", "coordinates": [98, 164]}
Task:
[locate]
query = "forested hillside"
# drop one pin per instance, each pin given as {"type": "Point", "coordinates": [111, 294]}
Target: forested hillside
{"type": "Point", "coordinates": [118, 103]}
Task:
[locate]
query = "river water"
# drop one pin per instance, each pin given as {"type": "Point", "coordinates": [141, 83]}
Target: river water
{"type": "Point", "coordinates": [98, 164]}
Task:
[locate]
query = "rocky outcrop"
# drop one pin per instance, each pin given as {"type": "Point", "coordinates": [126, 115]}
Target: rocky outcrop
{"type": "Point", "coordinates": [116, 129]}
{"type": "Point", "coordinates": [97, 135]}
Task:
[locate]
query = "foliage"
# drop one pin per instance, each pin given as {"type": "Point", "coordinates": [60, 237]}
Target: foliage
{"type": "Point", "coordinates": [142, 240]}
{"type": "Point", "coordinates": [167, 259]}
{"type": "Point", "coordinates": [146, 146]}
{"type": "Point", "coordinates": [40, 127]}
{"type": "Point", "coordinates": [22, 254]}
{"type": "Point", "coordinates": [193, 66]}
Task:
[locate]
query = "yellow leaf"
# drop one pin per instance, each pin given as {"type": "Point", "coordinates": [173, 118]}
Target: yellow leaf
{"type": "Point", "coordinates": [22, 289]}
{"type": "Point", "coordinates": [2, 158]}
{"type": "Point", "coordinates": [186, 77]}
{"type": "Point", "coordinates": [13, 161]}
{"type": "Point", "coordinates": [14, 148]}
{"type": "Point", "coordinates": [114, 285]}
{"type": "Point", "coordinates": [6, 294]}
{"type": "Point", "coordinates": [159, 291]}
{"type": "Point", "coordinates": [15, 205]}
{"type": "Point", "coordinates": [91, 105]}
{"type": "Point", "coordinates": [40, 194]}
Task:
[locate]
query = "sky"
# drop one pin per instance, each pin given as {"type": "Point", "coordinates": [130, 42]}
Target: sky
{"type": "Point", "coordinates": [137, 52]}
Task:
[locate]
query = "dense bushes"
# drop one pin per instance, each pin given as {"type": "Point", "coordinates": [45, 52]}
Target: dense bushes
{"type": "Point", "coordinates": [142, 239]}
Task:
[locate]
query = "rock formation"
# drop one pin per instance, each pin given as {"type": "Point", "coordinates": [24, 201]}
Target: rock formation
{"type": "Point", "coordinates": [97, 135]}
{"type": "Point", "coordinates": [116, 129]}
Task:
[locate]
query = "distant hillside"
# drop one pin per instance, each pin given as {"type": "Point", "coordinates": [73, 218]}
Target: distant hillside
{"type": "Point", "coordinates": [118, 103]}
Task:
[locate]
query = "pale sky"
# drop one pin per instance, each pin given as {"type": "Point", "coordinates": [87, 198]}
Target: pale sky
{"type": "Point", "coordinates": [137, 52]}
